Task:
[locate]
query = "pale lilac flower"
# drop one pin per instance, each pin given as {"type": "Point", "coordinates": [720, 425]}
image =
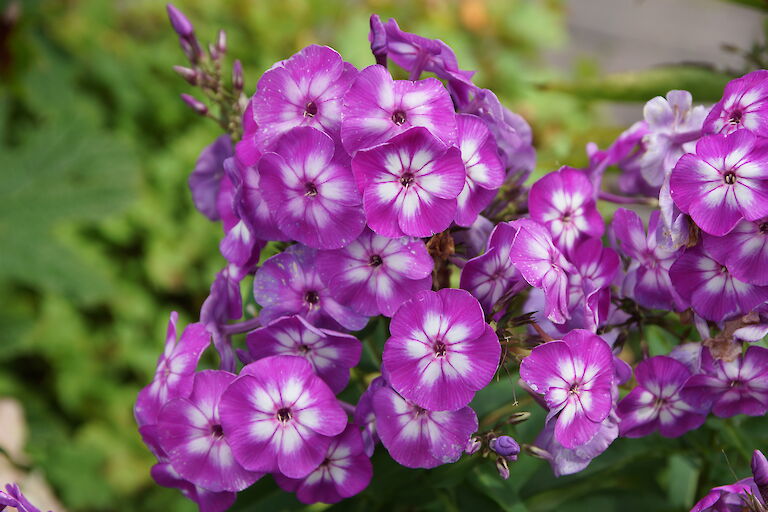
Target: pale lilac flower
{"type": "Point", "coordinates": [310, 190]}
{"type": "Point", "coordinates": [744, 251]}
{"type": "Point", "coordinates": [655, 403]}
{"type": "Point", "coordinates": [711, 289]}
{"type": "Point", "coordinates": [744, 105]}
{"type": "Point", "coordinates": [647, 278]}
{"type": "Point", "coordinates": [625, 153]}
{"type": "Point", "coordinates": [288, 284]}
{"type": "Point", "coordinates": [575, 376]}
{"type": "Point", "coordinates": [418, 438]}
{"type": "Point", "coordinates": [673, 124]}
{"type": "Point", "coordinates": [564, 202]}
{"type": "Point", "coordinates": [374, 274]}
{"type": "Point", "coordinates": [725, 181]}
{"type": "Point", "coordinates": [345, 471]}
{"type": "Point", "coordinates": [731, 387]}
{"type": "Point", "coordinates": [175, 370]}
{"type": "Point", "coordinates": [279, 416]}
{"type": "Point", "coordinates": [543, 266]}
{"type": "Point", "coordinates": [485, 172]}
{"type": "Point", "coordinates": [305, 90]}
{"type": "Point", "coordinates": [491, 276]}
{"type": "Point", "coordinates": [410, 184]}
{"type": "Point", "coordinates": [197, 445]}
{"type": "Point", "coordinates": [366, 417]}
{"type": "Point", "coordinates": [331, 353]}
{"type": "Point", "coordinates": [441, 350]}
{"type": "Point", "coordinates": [205, 180]}
{"type": "Point", "coordinates": [376, 108]}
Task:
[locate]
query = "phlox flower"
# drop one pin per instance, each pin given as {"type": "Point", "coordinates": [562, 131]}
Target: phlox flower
{"type": "Point", "coordinates": [744, 105]}
{"type": "Point", "coordinates": [744, 251]}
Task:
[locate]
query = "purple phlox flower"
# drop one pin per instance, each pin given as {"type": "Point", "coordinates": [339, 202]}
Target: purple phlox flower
{"type": "Point", "coordinates": [304, 90]}
{"type": "Point", "coordinates": [280, 416]}
{"type": "Point", "coordinates": [164, 474]}
{"type": "Point", "coordinates": [492, 276]}
{"type": "Point", "coordinates": [744, 105]}
{"type": "Point", "coordinates": [366, 417]}
{"type": "Point", "coordinates": [419, 438]}
{"type": "Point", "coordinates": [567, 461]}
{"type": "Point", "coordinates": [689, 354]}
{"type": "Point", "coordinates": [625, 153]}
{"type": "Point", "coordinates": [310, 190]}
{"type": "Point", "coordinates": [441, 350]}
{"type": "Point", "coordinates": [376, 108]}
{"type": "Point", "coordinates": [647, 277]}
{"type": "Point", "coordinates": [731, 387]}
{"type": "Point", "coordinates": [485, 172]}
{"type": "Point", "coordinates": [331, 353]}
{"type": "Point", "coordinates": [744, 251]}
{"type": "Point", "coordinates": [543, 266]}
{"type": "Point", "coordinates": [289, 284]}
{"type": "Point", "coordinates": [512, 133]}
{"type": "Point", "coordinates": [564, 202]}
{"type": "Point", "coordinates": [205, 180]}
{"type": "Point", "coordinates": [673, 125]}
{"type": "Point", "coordinates": [410, 184]}
{"type": "Point", "coordinates": [505, 446]}
{"type": "Point", "coordinates": [175, 370]}
{"type": "Point", "coordinates": [760, 473]}
{"type": "Point", "coordinates": [197, 445]}
{"type": "Point", "coordinates": [13, 497]}
{"type": "Point", "coordinates": [728, 498]}
{"type": "Point", "coordinates": [224, 303]}
{"type": "Point", "coordinates": [472, 241]}
{"type": "Point", "coordinates": [655, 403]}
{"type": "Point", "coordinates": [374, 275]}
{"type": "Point", "coordinates": [345, 471]}
{"type": "Point", "coordinates": [576, 377]}
{"type": "Point", "coordinates": [725, 181]}
{"type": "Point", "coordinates": [239, 246]}
{"type": "Point", "coordinates": [710, 288]}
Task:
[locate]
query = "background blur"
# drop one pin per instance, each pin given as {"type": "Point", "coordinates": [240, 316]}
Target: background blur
{"type": "Point", "coordinates": [99, 240]}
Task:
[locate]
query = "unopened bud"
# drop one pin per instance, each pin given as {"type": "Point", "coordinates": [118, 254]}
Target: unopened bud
{"type": "Point", "coordinates": [238, 81]}
{"type": "Point", "coordinates": [502, 467]}
{"type": "Point", "coordinates": [190, 75]}
{"type": "Point", "coordinates": [195, 104]}
{"type": "Point", "coordinates": [535, 451]}
{"type": "Point", "coordinates": [221, 42]}
{"type": "Point", "coordinates": [191, 49]}
{"type": "Point", "coordinates": [378, 39]}
{"type": "Point", "coordinates": [518, 417]}
{"type": "Point", "coordinates": [180, 23]}
{"type": "Point", "coordinates": [760, 473]}
{"type": "Point", "coordinates": [473, 445]}
{"type": "Point", "coordinates": [506, 447]}
{"type": "Point", "coordinates": [213, 52]}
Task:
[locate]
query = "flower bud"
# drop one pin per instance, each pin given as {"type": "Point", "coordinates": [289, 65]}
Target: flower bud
{"type": "Point", "coordinates": [238, 81]}
{"type": "Point", "coordinates": [195, 104]}
{"type": "Point", "coordinates": [221, 42]}
{"type": "Point", "coordinates": [191, 49]}
{"type": "Point", "coordinates": [213, 51]}
{"type": "Point", "coordinates": [506, 447]}
{"type": "Point", "coordinates": [760, 473]}
{"type": "Point", "coordinates": [190, 75]}
{"type": "Point", "coordinates": [535, 451]}
{"type": "Point", "coordinates": [378, 39]}
{"type": "Point", "coordinates": [518, 417]}
{"type": "Point", "coordinates": [473, 445]}
{"type": "Point", "coordinates": [180, 23]}
{"type": "Point", "coordinates": [502, 467]}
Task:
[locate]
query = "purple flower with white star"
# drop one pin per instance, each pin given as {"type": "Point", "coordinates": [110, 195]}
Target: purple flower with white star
{"type": "Point", "coordinates": [175, 370]}
{"type": "Point", "coordinates": [331, 353]}
{"type": "Point", "coordinates": [419, 438]}
{"type": "Point", "coordinates": [289, 284]}
{"type": "Point", "coordinates": [744, 106]}
{"type": "Point", "coordinates": [543, 266]}
{"type": "Point", "coordinates": [279, 416]}
{"type": "Point", "coordinates": [441, 350]}
{"type": "Point", "coordinates": [731, 387]}
{"type": "Point", "coordinates": [410, 184]}
{"type": "Point", "coordinates": [305, 90]}
{"type": "Point", "coordinates": [485, 172]}
{"type": "Point", "coordinates": [564, 202]}
{"type": "Point", "coordinates": [744, 251]}
{"type": "Point", "coordinates": [376, 108]}
{"type": "Point", "coordinates": [197, 445]}
{"type": "Point", "coordinates": [725, 181]}
{"type": "Point", "coordinates": [575, 376]}
{"type": "Point", "coordinates": [310, 190]}
{"type": "Point", "coordinates": [205, 180]}
{"type": "Point", "coordinates": [374, 274]}
{"type": "Point", "coordinates": [491, 276]}
{"type": "Point", "coordinates": [710, 288]}
{"type": "Point", "coordinates": [345, 471]}
{"type": "Point", "coordinates": [647, 278]}
{"type": "Point", "coordinates": [655, 403]}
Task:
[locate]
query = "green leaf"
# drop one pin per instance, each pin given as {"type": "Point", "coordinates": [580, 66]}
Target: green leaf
{"type": "Point", "coordinates": [660, 341]}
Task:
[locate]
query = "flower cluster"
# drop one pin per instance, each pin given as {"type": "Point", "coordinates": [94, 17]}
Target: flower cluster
{"type": "Point", "coordinates": [372, 196]}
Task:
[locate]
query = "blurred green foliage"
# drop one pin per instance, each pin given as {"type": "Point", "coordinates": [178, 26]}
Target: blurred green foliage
{"type": "Point", "coordinates": [99, 240]}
